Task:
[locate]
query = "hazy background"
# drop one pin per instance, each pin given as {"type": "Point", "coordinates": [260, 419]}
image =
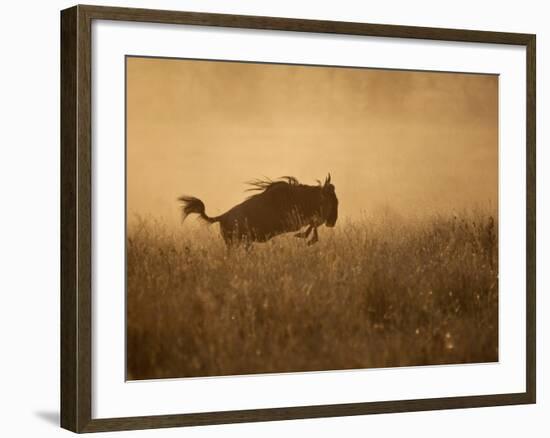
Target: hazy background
{"type": "Point", "coordinates": [408, 143]}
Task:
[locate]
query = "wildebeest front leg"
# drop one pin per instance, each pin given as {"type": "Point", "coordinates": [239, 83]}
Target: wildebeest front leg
{"type": "Point", "coordinates": [314, 238]}
{"type": "Point", "coordinates": [304, 234]}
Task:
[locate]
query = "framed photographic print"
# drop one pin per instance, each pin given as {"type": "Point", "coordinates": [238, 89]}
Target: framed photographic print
{"type": "Point", "coordinates": [271, 218]}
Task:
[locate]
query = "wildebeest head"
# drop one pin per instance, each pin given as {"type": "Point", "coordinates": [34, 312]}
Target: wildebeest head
{"type": "Point", "coordinates": [329, 203]}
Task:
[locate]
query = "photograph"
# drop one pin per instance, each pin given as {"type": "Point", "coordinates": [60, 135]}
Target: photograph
{"type": "Point", "coordinates": [290, 218]}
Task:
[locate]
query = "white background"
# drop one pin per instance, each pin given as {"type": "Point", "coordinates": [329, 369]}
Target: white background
{"type": "Point", "coordinates": [29, 228]}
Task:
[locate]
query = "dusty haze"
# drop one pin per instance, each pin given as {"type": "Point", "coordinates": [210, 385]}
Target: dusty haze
{"type": "Point", "coordinates": [379, 290]}
{"type": "Point", "coordinates": [400, 141]}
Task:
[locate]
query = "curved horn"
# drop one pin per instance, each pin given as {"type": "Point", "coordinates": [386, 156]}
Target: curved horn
{"type": "Point", "coordinates": [327, 180]}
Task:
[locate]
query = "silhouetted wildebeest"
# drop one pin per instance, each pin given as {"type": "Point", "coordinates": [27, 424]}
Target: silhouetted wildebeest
{"type": "Point", "coordinates": [282, 206]}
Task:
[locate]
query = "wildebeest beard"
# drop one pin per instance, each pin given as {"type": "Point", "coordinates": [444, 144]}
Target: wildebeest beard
{"type": "Point", "coordinates": [281, 206]}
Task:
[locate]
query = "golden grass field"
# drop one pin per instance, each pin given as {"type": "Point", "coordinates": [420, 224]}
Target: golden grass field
{"type": "Point", "coordinates": [370, 293]}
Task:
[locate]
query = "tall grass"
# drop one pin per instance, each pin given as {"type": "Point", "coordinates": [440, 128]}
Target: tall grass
{"type": "Point", "coordinates": [369, 294]}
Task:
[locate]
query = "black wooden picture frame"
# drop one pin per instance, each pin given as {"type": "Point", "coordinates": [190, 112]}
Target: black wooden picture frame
{"type": "Point", "coordinates": [76, 217]}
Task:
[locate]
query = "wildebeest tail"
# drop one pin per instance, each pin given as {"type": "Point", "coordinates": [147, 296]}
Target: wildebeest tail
{"type": "Point", "coordinates": [191, 205]}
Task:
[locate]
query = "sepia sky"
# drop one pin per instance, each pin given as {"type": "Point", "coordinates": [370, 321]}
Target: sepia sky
{"type": "Point", "coordinates": [412, 143]}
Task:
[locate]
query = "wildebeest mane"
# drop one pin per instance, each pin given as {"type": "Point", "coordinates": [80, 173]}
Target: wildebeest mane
{"type": "Point", "coordinates": [263, 185]}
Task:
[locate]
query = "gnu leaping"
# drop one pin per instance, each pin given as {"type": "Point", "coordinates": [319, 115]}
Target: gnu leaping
{"type": "Point", "coordinates": [281, 206]}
